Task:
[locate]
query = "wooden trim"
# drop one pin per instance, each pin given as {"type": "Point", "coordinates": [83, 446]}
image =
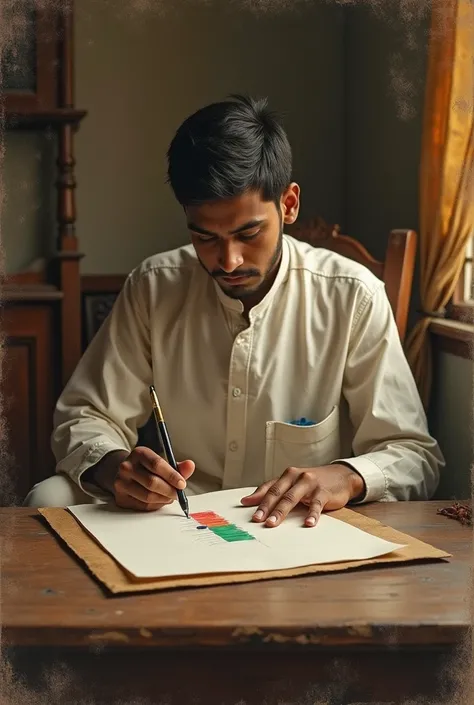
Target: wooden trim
{"type": "Point", "coordinates": [458, 308]}
{"type": "Point", "coordinates": [399, 267]}
{"type": "Point", "coordinates": [68, 259]}
{"type": "Point", "coordinates": [453, 337]}
{"type": "Point", "coordinates": [25, 480]}
{"type": "Point", "coordinates": [30, 387]}
{"type": "Point", "coordinates": [24, 118]}
{"type": "Point", "coordinates": [71, 343]}
{"type": "Point", "coordinates": [25, 277]}
{"type": "Point", "coordinates": [98, 283]}
{"type": "Point", "coordinates": [28, 293]}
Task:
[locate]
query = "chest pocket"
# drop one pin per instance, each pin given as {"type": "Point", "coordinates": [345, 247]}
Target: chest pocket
{"type": "Point", "coordinates": [289, 445]}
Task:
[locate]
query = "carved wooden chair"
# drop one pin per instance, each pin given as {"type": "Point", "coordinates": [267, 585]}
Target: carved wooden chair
{"type": "Point", "coordinates": [396, 271]}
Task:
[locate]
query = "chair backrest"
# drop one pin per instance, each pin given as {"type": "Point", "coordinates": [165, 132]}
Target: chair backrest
{"type": "Point", "coordinates": [396, 271]}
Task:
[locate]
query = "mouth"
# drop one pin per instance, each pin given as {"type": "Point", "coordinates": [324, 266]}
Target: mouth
{"type": "Point", "coordinates": [234, 281]}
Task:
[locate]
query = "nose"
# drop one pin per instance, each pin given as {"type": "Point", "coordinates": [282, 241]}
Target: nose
{"type": "Point", "coordinates": [230, 257]}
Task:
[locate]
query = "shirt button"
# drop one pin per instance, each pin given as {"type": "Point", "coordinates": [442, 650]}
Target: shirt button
{"type": "Point", "coordinates": [233, 446]}
{"type": "Point", "coordinates": [236, 392]}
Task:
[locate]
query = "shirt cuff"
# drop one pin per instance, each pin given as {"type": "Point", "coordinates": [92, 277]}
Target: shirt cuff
{"type": "Point", "coordinates": [374, 479]}
{"type": "Point", "coordinates": [91, 457]}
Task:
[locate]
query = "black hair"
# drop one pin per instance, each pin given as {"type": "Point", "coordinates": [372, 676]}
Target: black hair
{"type": "Point", "coordinates": [227, 149]}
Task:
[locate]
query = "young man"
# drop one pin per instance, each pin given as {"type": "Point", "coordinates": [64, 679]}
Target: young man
{"type": "Point", "coordinates": [243, 333]}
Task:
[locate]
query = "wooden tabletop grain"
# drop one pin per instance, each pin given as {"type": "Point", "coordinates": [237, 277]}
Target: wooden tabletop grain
{"type": "Point", "coordinates": [49, 598]}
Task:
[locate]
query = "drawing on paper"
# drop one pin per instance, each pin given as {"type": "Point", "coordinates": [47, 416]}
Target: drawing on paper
{"type": "Point", "coordinates": [221, 527]}
{"type": "Point", "coordinates": [166, 543]}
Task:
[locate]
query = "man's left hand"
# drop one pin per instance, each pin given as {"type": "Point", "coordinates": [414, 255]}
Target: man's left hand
{"type": "Point", "coordinates": [324, 488]}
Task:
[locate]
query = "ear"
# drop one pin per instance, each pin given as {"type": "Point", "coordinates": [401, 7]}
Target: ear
{"type": "Point", "coordinates": [290, 203]}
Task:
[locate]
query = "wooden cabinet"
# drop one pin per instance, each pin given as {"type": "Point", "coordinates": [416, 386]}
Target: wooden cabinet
{"type": "Point", "coordinates": [36, 64]}
{"type": "Point", "coordinates": [41, 313]}
{"type": "Point", "coordinates": [30, 385]}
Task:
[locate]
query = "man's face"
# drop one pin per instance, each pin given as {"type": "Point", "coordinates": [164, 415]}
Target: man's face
{"type": "Point", "coordinates": [238, 240]}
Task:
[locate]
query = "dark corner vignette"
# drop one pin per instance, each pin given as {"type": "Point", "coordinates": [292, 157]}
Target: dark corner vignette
{"type": "Point", "coordinates": [375, 99]}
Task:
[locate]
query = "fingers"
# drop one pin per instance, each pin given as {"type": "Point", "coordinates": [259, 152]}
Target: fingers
{"type": "Point", "coordinates": [276, 499]}
{"type": "Point", "coordinates": [256, 497]}
{"type": "Point", "coordinates": [147, 482]}
{"type": "Point", "coordinates": [143, 486]}
{"type": "Point", "coordinates": [156, 465]}
{"type": "Point", "coordinates": [126, 501]}
{"type": "Point", "coordinates": [316, 507]}
{"type": "Point", "coordinates": [129, 474]}
{"type": "Point", "coordinates": [283, 496]}
{"type": "Point", "coordinates": [186, 468]}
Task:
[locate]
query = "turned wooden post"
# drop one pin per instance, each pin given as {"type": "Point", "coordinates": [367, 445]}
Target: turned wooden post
{"type": "Point", "coordinates": [68, 256]}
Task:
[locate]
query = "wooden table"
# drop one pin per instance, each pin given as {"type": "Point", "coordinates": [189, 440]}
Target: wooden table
{"type": "Point", "coordinates": [372, 635]}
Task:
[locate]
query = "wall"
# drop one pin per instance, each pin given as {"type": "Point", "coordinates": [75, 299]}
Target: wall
{"type": "Point", "coordinates": [385, 62]}
{"type": "Point", "coordinates": [385, 67]}
{"type": "Point", "coordinates": [139, 77]}
{"type": "Point", "coordinates": [451, 420]}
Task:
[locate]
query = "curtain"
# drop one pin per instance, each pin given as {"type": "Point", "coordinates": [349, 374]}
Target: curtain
{"type": "Point", "coordinates": [446, 172]}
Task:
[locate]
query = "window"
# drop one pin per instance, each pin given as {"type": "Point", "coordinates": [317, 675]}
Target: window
{"type": "Point", "coordinates": [462, 307]}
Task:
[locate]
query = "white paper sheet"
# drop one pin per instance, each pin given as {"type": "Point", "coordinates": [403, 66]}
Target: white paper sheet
{"type": "Point", "coordinates": [165, 543]}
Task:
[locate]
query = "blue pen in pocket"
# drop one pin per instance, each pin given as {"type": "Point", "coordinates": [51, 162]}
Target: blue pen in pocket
{"type": "Point", "coordinates": [302, 422]}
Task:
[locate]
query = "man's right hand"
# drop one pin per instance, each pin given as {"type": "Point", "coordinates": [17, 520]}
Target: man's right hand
{"type": "Point", "coordinates": [142, 480]}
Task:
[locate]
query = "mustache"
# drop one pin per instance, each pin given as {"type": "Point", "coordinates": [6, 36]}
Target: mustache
{"type": "Point", "coordinates": [219, 273]}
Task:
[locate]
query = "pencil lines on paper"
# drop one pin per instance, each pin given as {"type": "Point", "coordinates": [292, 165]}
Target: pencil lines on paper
{"type": "Point", "coordinates": [213, 529]}
{"type": "Point", "coordinates": [208, 538]}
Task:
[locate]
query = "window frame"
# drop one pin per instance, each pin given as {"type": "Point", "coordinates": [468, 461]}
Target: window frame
{"type": "Point", "coordinates": [461, 307]}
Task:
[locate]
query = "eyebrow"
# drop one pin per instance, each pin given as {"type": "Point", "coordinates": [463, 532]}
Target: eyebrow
{"type": "Point", "coordinates": [242, 228]}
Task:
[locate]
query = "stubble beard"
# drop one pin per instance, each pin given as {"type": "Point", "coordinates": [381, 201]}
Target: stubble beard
{"type": "Point", "coordinates": [244, 292]}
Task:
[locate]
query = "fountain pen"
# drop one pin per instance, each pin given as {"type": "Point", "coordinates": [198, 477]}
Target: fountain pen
{"type": "Point", "coordinates": [165, 439]}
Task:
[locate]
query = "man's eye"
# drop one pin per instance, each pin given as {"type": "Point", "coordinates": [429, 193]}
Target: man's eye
{"type": "Point", "coordinates": [250, 237]}
{"type": "Point", "coordinates": [206, 238]}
